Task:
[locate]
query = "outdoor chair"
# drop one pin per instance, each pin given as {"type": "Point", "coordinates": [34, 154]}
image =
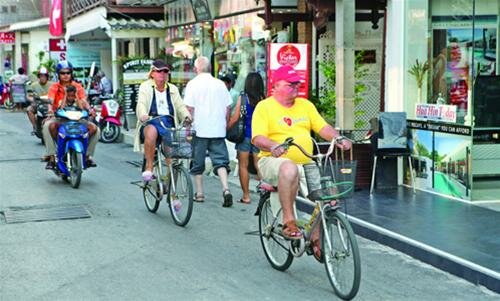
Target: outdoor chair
{"type": "Point", "coordinates": [390, 139]}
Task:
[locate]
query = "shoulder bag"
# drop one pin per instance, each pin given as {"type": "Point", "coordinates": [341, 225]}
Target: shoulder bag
{"type": "Point", "coordinates": [236, 133]}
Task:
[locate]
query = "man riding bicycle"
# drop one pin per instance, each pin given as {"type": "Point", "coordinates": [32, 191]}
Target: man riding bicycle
{"type": "Point", "coordinates": [276, 118]}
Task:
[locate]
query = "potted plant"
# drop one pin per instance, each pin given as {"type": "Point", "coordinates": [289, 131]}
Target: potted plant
{"type": "Point", "coordinates": [418, 71]}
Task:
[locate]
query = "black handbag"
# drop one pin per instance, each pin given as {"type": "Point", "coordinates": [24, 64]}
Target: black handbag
{"type": "Point", "coordinates": [236, 133]}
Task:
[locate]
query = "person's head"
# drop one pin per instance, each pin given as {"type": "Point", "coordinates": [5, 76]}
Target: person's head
{"type": "Point", "coordinates": [43, 75]}
{"type": "Point", "coordinates": [286, 83]}
{"type": "Point", "coordinates": [70, 95]}
{"type": "Point", "coordinates": [254, 88]}
{"type": "Point", "coordinates": [159, 72]}
{"type": "Point", "coordinates": [100, 74]}
{"type": "Point", "coordinates": [228, 81]}
{"type": "Point", "coordinates": [20, 70]}
{"type": "Point", "coordinates": [202, 64]}
{"type": "Point", "coordinates": [64, 71]}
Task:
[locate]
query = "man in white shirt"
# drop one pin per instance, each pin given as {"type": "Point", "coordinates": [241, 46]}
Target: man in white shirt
{"type": "Point", "coordinates": [209, 103]}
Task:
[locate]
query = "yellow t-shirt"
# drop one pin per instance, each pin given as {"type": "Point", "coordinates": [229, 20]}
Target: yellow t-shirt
{"type": "Point", "coordinates": [276, 122]}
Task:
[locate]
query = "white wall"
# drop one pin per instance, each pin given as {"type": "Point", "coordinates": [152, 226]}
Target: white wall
{"type": "Point", "coordinates": [38, 41]}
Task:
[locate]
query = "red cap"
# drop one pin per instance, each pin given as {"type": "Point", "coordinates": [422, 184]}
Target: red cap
{"type": "Point", "coordinates": [286, 73]}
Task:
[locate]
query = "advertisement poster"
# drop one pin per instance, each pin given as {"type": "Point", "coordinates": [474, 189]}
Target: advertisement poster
{"type": "Point", "coordinates": [295, 55]}
{"type": "Point", "coordinates": [134, 73]}
{"type": "Point", "coordinates": [456, 48]}
{"type": "Point", "coordinates": [441, 158]}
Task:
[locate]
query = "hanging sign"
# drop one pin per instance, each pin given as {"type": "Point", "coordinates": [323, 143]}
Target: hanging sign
{"type": "Point", "coordinates": [7, 37]}
{"type": "Point", "coordinates": [295, 55]}
{"type": "Point", "coordinates": [57, 49]}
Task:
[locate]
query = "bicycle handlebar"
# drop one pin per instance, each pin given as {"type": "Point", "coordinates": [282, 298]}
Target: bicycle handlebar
{"type": "Point", "coordinates": [289, 142]}
{"type": "Point", "coordinates": [186, 123]}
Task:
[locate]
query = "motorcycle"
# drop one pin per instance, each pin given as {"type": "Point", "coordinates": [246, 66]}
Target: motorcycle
{"type": "Point", "coordinates": [42, 108]}
{"type": "Point", "coordinates": [71, 145]}
{"type": "Point", "coordinates": [8, 102]}
{"type": "Point", "coordinates": [108, 120]}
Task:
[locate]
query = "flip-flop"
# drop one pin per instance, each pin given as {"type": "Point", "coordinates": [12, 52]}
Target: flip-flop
{"type": "Point", "coordinates": [243, 202]}
{"type": "Point", "coordinates": [200, 198]}
{"type": "Point", "coordinates": [290, 231]}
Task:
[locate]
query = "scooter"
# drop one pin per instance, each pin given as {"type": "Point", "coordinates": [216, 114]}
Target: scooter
{"type": "Point", "coordinates": [42, 108]}
{"type": "Point", "coordinates": [72, 142]}
{"type": "Point", "coordinates": [108, 120]}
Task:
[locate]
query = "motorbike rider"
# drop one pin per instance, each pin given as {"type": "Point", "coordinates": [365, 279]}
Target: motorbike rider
{"type": "Point", "coordinates": [39, 88]}
{"type": "Point", "coordinates": [71, 100]}
{"type": "Point", "coordinates": [56, 94]}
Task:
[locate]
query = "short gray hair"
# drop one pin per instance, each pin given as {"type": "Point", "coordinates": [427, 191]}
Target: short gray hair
{"type": "Point", "coordinates": [202, 64]}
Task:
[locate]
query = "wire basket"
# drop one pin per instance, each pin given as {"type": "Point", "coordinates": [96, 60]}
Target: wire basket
{"type": "Point", "coordinates": [334, 180]}
{"type": "Point", "coordinates": [176, 143]}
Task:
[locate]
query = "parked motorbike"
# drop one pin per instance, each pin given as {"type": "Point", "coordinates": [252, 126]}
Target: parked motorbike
{"type": "Point", "coordinates": [42, 108]}
{"type": "Point", "coordinates": [71, 145]}
{"type": "Point", "coordinates": [108, 120]}
{"type": "Point", "coordinates": [8, 102]}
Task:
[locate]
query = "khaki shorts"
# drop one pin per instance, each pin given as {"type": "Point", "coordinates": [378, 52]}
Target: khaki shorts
{"type": "Point", "coordinates": [270, 166]}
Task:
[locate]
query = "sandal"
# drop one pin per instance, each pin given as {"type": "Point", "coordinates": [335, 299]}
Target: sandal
{"type": "Point", "coordinates": [200, 198]}
{"type": "Point", "coordinates": [228, 198]}
{"type": "Point", "coordinates": [245, 202]}
{"type": "Point", "coordinates": [291, 231]}
{"type": "Point", "coordinates": [147, 176]}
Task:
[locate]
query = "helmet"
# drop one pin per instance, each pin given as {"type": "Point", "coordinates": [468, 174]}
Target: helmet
{"type": "Point", "coordinates": [43, 71]}
{"type": "Point", "coordinates": [63, 65]}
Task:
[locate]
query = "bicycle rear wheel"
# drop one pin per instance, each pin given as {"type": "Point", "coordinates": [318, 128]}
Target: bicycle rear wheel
{"type": "Point", "coordinates": [342, 260]}
{"type": "Point", "coordinates": [180, 199]}
{"type": "Point", "coordinates": [275, 246]}
{"type": "Point", "coordinates": [152, 190]}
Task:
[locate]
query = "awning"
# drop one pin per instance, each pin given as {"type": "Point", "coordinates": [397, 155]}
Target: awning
{"type": "Point", "coordinates": [26, 25]}
{"type": "Point", "coordinates": [119, 24]}
{"type": "Point", "coordinates": [89, 21]}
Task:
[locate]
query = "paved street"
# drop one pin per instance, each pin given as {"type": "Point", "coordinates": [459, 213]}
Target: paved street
{"type": "Point", "coordinates": [124, 252]}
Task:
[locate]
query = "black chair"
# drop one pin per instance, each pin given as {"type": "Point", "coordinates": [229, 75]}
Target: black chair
{"type": "Point", "coordinates": [390, 139]}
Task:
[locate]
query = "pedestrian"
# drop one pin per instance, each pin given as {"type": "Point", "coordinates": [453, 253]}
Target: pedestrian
{"type": "Point", "coordinates": [105, 85]}
{"type": "Point", "coordinates": [157, 97]}
{"type": "Point", "coordinates": [18, 79]}
{"type": "Point", "coordinates": [250, 97]}
{"type": "Point", "coordinates": [209, 102]}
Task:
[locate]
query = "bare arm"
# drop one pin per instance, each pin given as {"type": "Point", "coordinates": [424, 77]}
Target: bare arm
{"type": "Point", "coordinates": [191, 111]}
{"type": "Point", "coordinates": [234, 118]}
{"type": "Point", "coordinates": [268, 145]}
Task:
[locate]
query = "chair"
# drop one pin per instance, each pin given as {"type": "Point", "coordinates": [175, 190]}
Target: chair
{"type": "Point", "coordinates": [390, 139]}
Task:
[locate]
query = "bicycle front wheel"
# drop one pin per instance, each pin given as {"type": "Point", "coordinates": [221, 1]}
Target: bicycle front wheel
{"type": "Point", "coordinates": [275, 246]}
{"type": "Point", "coordinates": [342, 260]}
{"type": "Point", "coordinates": [180, 196]}
{"type": "Point", "coordinates": [152, 191]}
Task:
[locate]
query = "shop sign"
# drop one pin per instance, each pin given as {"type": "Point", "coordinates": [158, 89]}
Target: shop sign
{"type": "Point", "coordinates": [134, 73]}
{"type": "Point", "coordinates": [57, 49]}
{"type": "Point", "coordinates": [201, 10]}
{"type": "Point", "coordinates": [7, 37]}
{"type": "Point", "coordinates": [83, 53]}
{"type": "Point", "coordinates": [447, 128]}
{"type": "Point", "coordinates": [295, 55]}
{"type": "Point", "coordinates": [446, 113]}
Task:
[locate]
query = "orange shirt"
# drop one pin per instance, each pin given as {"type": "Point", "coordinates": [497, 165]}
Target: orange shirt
{"type": "Point", "coordinates": [57, 92]}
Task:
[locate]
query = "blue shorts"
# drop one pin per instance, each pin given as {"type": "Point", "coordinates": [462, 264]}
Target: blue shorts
{"type": "Point", "coordinates": [217, 151]}
{"type": "Point", "coordinates": [247, 147]}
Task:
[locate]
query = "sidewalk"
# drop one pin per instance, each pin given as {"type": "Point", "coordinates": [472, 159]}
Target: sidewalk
{"type": "Point", "coordinates": [458, 237]}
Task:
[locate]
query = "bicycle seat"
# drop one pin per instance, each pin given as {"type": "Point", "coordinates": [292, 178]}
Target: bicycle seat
{"type": "Point", "coordinates": [264, 186]}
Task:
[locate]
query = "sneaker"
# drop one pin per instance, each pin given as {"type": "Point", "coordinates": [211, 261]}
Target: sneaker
{"type": "Point", "coordinates": [147, 176]}
{"type": "Point", "coordinates": [228, 198]}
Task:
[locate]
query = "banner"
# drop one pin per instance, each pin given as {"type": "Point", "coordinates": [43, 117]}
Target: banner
{"type": "Point", "coordinates": [56, 21]}
{"type": "Point", "coordinates": [295, 55]}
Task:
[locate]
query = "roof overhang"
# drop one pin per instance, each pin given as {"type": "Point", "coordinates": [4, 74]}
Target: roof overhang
{"type": "Point", "coordinates": [27, 25]}
{"type": "Point", "coordinates": [90, 21]}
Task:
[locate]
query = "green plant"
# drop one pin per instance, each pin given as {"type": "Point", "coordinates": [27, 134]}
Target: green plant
{"type": "Point", "coordinates": [418, 71]}
{"type": "Point", "coordinates": [50, 64]}
{"type": "Point", "coordinates": [326, 103]}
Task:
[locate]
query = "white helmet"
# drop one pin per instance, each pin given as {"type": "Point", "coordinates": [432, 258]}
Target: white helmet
{"type": "Point", "coordinates": [43, 71]}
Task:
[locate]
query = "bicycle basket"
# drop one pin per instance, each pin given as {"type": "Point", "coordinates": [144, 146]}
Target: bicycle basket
{"type": "Point", "coordinates": [176, 143]}
{"type": "Point", "coordinates": [337, 180]}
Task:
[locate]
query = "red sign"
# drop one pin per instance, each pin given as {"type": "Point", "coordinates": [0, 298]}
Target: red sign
{"type": "Point", "coordinates": [295, 55]}
{"type": "Point", "coordinates": [57, 49]}
{"type": "Point", "coordinates": [7, 37]}
{"type": "Point", "coordinates": [56, 22]}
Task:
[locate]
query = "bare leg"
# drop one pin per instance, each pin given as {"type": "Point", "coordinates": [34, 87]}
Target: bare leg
{"type": "Point", "coordinates": [198, 179]}
{"type": "Point", "coordinates": [150, 136]}
{"type": "Point", "coordinates": [288, 186]}
{"type": "Point", "coordinates": [255, 164]}
{"type": "Point", "coordinates": [243, 174]}
{"type": "Point", "coordinates": [222, 173]}
{"type": "Point", "coordinates": [31, 117]}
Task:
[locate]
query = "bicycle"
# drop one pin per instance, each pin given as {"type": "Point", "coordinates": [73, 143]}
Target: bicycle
{"type": "Point", "coordinates": [176, 183]}
{"type": "Point", "coordinates": [338, 245]}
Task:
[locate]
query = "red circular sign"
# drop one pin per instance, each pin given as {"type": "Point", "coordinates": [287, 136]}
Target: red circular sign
{"type": "Point", "coordinates": [288, 55]}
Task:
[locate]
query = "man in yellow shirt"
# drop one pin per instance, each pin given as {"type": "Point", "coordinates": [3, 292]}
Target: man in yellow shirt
{"type": "Point", "coordinates": [276, 118]}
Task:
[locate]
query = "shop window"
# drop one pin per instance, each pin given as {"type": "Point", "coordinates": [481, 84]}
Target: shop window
{"type": "Point", "coordinates": [13, 9]}
{"type": "Point", "coordinates": [5, 9]}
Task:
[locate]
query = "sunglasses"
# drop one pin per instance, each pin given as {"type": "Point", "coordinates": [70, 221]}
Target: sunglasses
{"type": "Point", "coordinates": [163, 70]}
{"type": "Point", "coordinates": [63, 73]}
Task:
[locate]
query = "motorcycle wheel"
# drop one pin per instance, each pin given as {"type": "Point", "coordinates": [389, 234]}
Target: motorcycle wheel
{"type": "Point", "coordinates": [9, 104]}
{"type": "Point", "coordinates": [76, 168]}
{"type": "Point", "coordinates": [110, 134]}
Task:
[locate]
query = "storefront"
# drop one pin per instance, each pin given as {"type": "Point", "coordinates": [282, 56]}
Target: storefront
{"type": "Point", "coordinates": [230, 33]}
{"type": "Point", "coordinates": [450, 87]}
